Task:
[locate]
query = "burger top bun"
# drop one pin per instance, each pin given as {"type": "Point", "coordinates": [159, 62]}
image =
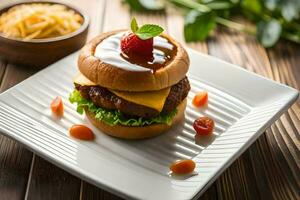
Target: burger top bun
{"type": "Point", "coordinates": [116, 78]}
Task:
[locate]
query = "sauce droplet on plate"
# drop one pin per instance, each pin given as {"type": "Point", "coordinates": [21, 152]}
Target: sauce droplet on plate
{"type": "Point", "coordinates": [200, 99]}
{"type": "Point", "coordinates": [57, 107]}
{"type": "Point", "coordinates": [183, 167]}
{"type": "Point", "coordinates": [81, 132]}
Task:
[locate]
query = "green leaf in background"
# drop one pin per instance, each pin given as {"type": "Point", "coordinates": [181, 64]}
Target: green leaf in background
{"type": "Point", "coordinates": [219, 5]}
{"type": "Point", "coordinates": [146, 5]}
{"type": "Point", "coordinates": [294, 37]}
{"type": "Point", "coordinates": [252, 9]}
{"type": "Point", "coordinates": [268, 32]}
{"type": "Point", "coordinates": [221, 8]}
{"type": "Point", "coordinates": [149, 31]}
{"type": "Point", "coordinates": [290, 9]}
{"type": "Point", "coordinates": [253, 6]}
{"type": "Point", "coordinates": [191, 4]}
{"type": "Point", "coordinates": [234, 1]}
{"type": "Point", "coordinates": [134, 26]}
{"type": "Point", "coordinates": [271, 4]}
{"type": "Point", "coordinates": [198, 25]}
{"type": "Point", "coordinates": [135, 5]}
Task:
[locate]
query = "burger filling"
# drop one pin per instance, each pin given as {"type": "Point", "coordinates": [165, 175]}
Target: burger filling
{"type": "Point", "coordinates": [133, 109]}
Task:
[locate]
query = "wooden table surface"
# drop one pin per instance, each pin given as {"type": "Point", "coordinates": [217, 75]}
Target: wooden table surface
{"type": "Point", "coordinates": [269, 169]}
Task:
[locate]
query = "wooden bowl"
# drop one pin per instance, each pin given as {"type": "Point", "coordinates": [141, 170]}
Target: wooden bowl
{"type": "Point", "coordinates": [42, 52]}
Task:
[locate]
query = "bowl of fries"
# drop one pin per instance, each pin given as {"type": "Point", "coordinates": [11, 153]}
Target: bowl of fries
{"type": "Point", "coordinates": [39, 33]}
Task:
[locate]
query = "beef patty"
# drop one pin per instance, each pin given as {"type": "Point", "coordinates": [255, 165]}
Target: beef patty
{"type": "Point", "coordinates": [102, 97]}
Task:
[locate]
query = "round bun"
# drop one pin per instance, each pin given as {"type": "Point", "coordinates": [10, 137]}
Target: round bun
{"type": "Point", "coordinates": [110, 76]}
{"type": "Point", "coordinates": [131, 132]}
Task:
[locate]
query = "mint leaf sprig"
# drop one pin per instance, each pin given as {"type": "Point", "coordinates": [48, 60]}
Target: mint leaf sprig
{"type": "Point", "coordinates": [146, 31]}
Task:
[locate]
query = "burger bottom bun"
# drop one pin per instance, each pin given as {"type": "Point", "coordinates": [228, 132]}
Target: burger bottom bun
{"type": "Point", "coordinates": [141, 132]}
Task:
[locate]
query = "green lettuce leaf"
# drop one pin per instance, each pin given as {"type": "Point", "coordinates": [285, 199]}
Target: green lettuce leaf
{"type": "Point", "coordinates": [114, 117]}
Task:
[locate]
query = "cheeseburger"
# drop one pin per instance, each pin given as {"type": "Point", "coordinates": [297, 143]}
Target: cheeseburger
{"type": "Point", "coordinates": [132, 84]}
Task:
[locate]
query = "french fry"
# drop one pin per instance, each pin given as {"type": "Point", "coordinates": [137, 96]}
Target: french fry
{"type": "Point", "coordinates": [39, 20]}
{"type": "Point", "coordinates": [32, 35]}
{"type": "Point", "coordinates": [48, 32]}
{"type": "Point", "coordinates": [22, 29]}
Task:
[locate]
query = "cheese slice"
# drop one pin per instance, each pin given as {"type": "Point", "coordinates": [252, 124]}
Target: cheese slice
{"type": "Point", "coordinates": [82, 80]}
{"type": "Point", "coordinates": [152, 99]}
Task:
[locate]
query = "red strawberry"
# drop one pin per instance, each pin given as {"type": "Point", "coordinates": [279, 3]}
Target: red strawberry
{"type": "Point", "coordinates": [131, 44]}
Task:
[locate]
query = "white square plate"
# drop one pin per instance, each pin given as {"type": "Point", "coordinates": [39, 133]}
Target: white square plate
{"type": "Point", "coordinates": [242, 104]}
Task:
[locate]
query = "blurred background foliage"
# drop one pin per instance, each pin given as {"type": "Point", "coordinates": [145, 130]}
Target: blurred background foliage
{"type": "Point", "coordinates": [273, 19]}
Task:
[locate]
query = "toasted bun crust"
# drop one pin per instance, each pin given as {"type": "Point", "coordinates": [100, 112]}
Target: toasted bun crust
{"type": "Point", "coordinates": [112, 77]}
{"type": "Point", "coordinates": [129, 132]}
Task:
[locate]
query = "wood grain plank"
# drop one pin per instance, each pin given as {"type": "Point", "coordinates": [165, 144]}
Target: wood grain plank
{"type": "Point", "coordinates": [15, 159]}
{"type": "Point", "coordinates": [91, 192]}
{"type": "Point", "coordinates": [50, 182]}
{"type": "Point", "coordinates": [46, 180]}
{"type": "Point", "coordinates": [275, 153]}
{"type": "Point", "coordinates": [14, 168]}
{"type": "Point", "coordinates": [117, 16]}
{"type": "Point", "coordinates": [3, 65]}
{"type": "Point", "coordinates": [244, 51]}
{"type": "Point", "coordinates": [285, 138]}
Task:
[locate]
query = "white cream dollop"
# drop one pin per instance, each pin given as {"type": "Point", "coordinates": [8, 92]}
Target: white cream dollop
{"type": "Point", "coordinates": [109, 52]}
